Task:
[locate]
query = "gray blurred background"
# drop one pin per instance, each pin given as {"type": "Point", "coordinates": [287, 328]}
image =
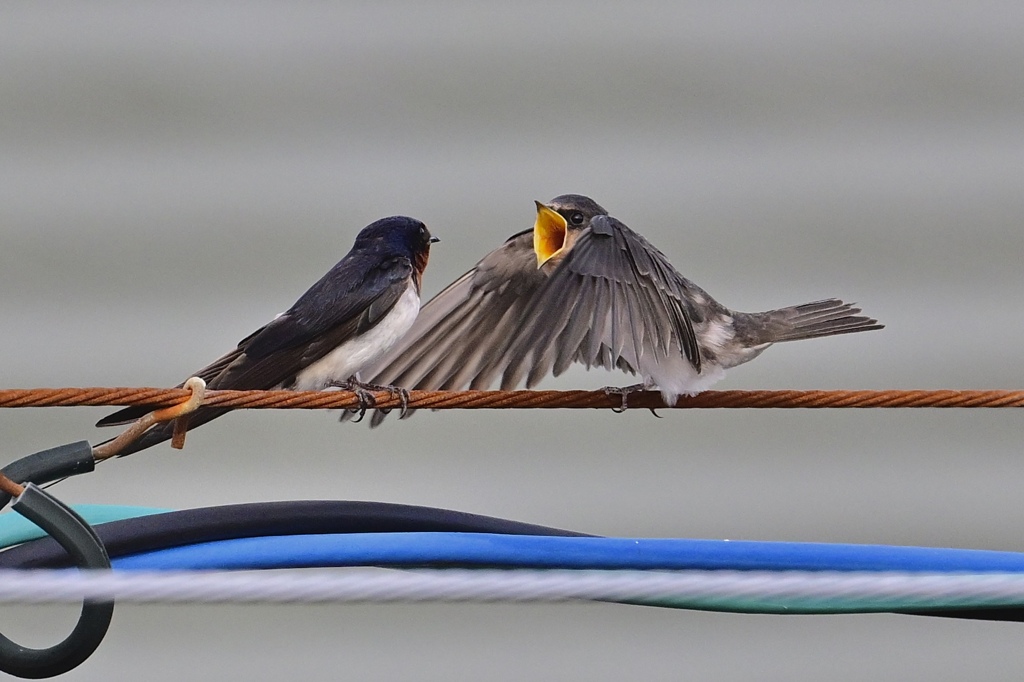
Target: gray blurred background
{"type": "Point", "coordinates": [174, 174]}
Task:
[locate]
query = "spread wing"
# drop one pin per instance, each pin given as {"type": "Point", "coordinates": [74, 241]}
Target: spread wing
{"type": "Point", "coordinates": [347, 300]}
{"type": "Point", "coordinates": [461, 335]}
{"type": "Point", "coordinates": [613, 300]}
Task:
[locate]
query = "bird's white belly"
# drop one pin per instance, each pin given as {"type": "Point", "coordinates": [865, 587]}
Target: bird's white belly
{"type": "Point", "coordinates": [348, 358]}
{"type": "Point", "coordinates": [671, 372]}
{"type": "Point", "coordinates": [675, 376]}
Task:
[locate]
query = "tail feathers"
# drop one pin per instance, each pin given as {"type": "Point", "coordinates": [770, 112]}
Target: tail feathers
{"type": "Point", "coordinates": [156, 435]}
{"type": "Point", "coordinates": [163, 432]}
{"type": "Point", "coordinates": [811, 320]}
{"type": "Point", "coordinates": [125, 416]}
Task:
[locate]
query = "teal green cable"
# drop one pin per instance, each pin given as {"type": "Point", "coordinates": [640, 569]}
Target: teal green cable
{"type": "Point", "coordinates": [16, 529]}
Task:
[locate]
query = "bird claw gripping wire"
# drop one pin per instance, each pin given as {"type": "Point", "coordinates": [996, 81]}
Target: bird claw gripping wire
{"type": "Point", "coordinates": [177, 413]}
{"type": "Point", "coordinates": [624, 392]}
{"type": "Point", "coordinates": [368, 400]}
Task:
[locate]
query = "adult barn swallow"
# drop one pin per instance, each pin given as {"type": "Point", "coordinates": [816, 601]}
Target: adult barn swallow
{"type": "Point", "coordinates": [355, 313]}
{"type": "Point", "coordinates": [583, 287]}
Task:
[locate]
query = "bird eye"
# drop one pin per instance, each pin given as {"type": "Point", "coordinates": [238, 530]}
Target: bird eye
{"type": "Point", "coordinates": [576, 218]}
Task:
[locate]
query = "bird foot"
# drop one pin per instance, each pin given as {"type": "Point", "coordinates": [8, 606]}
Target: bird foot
{"type": "Point", "coordinates": [395, 392]}
{"type": "Point", "coordinates": [623, 391]}
{"type": "Point", "coordinates": [364, 391]}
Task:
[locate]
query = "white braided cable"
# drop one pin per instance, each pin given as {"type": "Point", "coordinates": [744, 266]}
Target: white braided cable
{"type": "Point", "coordinates": [716, 590]}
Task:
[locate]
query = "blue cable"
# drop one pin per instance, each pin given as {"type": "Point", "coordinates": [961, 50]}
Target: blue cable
{"type": "Point", "coordinates": [484, 549]}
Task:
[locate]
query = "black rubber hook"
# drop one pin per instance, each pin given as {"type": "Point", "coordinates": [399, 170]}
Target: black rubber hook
{"type": "Point", "coordinates": [80, 541]}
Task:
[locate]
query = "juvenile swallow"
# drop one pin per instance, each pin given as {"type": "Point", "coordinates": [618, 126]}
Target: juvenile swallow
{"type": "Point", "coordinates": [583, 287]}
{"type": "Point", "coordinates": [353, 315]}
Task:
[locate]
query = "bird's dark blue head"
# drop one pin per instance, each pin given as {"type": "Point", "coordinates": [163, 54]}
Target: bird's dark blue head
{"type": "Point", "coordinates": [398, 236]}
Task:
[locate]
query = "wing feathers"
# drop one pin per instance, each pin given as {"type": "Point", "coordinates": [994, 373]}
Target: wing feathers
{"type": "Point", "coordinates": [610, 303]}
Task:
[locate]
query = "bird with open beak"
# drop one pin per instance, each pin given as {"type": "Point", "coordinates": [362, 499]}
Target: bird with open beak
{"type": "Point", "coordinates": [583, 287]}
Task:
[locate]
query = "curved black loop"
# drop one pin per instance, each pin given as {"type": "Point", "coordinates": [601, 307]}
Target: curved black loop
{"type": "Point", "coordinates": [82, 543]}
{"type": "Point", "coordinates": [78, 538]}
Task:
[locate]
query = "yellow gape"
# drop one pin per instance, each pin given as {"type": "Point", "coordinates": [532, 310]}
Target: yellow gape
{"type": "Point", "coordinates": [548, 233]}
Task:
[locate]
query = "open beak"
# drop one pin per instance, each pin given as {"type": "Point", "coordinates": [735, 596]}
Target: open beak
{"type": "Point", "coordinates": [548, 233]}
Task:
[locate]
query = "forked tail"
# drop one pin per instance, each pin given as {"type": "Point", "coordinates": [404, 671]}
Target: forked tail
{"type": "Point", "coordinates": [810, 320]}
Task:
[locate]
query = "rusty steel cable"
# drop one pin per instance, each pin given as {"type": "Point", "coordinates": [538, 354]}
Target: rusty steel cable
{"type": "Point", "coordinates": [438, 400]}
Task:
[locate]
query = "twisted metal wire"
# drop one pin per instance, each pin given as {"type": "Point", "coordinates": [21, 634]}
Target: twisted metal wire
{"type": "Point", "coordinates": [440, 400]}
{"type": "Point", "coordinates": [722, 590]}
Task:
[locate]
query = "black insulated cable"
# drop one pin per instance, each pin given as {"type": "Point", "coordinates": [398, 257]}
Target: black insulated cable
{"type": "Point", "coordinates": [50, 465]}
{"type": "Point", "coordinates": [85, 548]}
{"type": "Point", "coordinates": [304, 517]}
